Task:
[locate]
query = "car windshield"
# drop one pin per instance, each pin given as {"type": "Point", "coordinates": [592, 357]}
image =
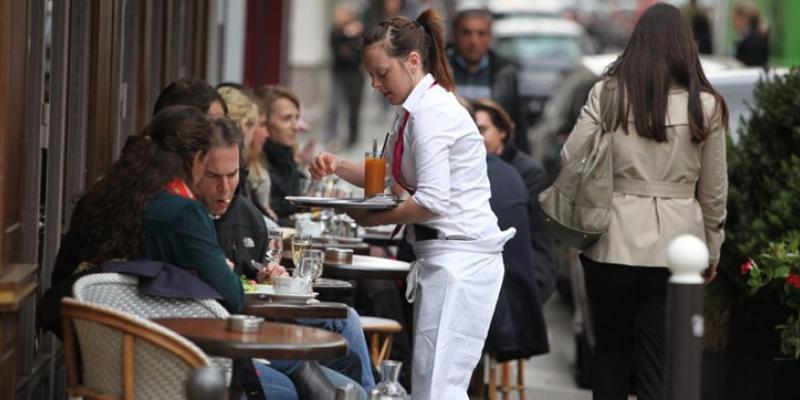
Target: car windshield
{"type": "Point", "coordinates": [534, 48]}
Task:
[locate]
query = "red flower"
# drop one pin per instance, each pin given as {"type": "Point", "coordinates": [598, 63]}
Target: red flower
{"type": "Point", "coordinates": [793, 280]}
{"type": "Point", "coordinates": [747, 266]}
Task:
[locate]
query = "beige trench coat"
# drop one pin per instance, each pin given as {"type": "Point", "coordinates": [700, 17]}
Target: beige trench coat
{"type": "Point", "coordinates": [695, 175]}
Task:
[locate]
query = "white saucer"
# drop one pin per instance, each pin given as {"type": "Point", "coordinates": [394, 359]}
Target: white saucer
{"type": "Point", "coordinates": [291, 298]}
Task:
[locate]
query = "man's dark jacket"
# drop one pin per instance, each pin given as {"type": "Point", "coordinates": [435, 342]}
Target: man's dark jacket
{"type": "Point", "coordinates": [517, 329]}
{"type": "Point", "coordinates": [536, 180]}
{"type": "Point", "coordinates": [242, 234]}
{"type": "Point", "coordinates": [505, 90]}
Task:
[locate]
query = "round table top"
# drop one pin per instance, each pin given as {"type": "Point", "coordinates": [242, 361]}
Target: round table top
{"type": "Point", "coordinates": [274, 340]}
{"type": "Point", "coordinates": [269, 309]}
{"type": "Point", "coordinates": [368, 267]}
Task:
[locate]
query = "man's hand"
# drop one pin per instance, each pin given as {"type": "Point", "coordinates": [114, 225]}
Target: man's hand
{"type": "Point", "coordinates": [230, 264]}
{"type": "Point", "coordinates": [270, 272]}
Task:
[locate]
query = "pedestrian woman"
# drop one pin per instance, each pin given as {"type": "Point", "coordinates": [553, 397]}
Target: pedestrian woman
{"type": "Point", "coordinates": [669, 179]}
{"type": "Point", "coordinates": [436, 154]}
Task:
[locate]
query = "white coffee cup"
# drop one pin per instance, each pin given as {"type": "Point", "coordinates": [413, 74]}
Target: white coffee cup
{"type": "Point", "coordinates": [291, 285]}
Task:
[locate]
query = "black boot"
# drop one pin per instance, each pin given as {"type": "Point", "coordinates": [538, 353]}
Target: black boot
{"type": "Point", "coordinates": [311, 383]}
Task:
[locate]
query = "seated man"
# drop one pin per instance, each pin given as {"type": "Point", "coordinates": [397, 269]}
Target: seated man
{"type": "Point", "coordinates": [242, 234]}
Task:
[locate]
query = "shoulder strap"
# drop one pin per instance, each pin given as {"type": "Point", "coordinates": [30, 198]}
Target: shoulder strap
{"type": "Point", "coordinates": [608, 99]}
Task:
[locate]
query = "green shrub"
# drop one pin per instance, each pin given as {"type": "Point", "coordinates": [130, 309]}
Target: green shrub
{"type": "Point", "coordinates": [764, 194]}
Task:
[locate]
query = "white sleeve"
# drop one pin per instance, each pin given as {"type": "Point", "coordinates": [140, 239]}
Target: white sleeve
{"type": "Point", "coordinates": [431, 142]}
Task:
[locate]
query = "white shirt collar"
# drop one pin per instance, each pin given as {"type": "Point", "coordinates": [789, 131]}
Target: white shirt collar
{"type": "Point", "coordinates": [417, 93]}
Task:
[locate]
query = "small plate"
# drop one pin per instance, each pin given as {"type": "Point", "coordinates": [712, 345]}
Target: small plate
{"type": "Point", "coordinates": [292, 298]}
{"type": "Point", "coordinates": [262, 289]}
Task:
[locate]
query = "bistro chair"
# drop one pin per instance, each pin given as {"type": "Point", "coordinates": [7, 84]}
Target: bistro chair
{"type": "Point", "coordinates": [380, 332]}
{"type": "Point", "coordinates": [121, 292]}
{"type": "Point", "coordinates": [505, 379]}
{"type": "Point", "coordinates": [115, 355]}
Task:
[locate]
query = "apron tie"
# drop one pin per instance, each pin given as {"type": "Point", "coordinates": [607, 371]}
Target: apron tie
{"type": "Point", "coordinates": [412, 280]}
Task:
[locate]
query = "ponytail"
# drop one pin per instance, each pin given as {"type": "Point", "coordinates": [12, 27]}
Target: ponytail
{"type": "Point", "coordinates": [436, 62]}
{"type": "Point", "coordinates": [400, 36]}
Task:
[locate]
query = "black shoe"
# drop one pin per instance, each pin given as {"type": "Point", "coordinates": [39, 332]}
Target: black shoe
{"type": "Point", "coordinates": [311, 383]}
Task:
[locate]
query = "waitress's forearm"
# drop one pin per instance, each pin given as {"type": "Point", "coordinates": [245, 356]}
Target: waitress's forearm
{"type": "Point", "coordinates": [351, 172]}
{"type": "Point", "coordinates": [408, 212]}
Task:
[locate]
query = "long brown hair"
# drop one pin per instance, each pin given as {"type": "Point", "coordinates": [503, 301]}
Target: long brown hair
{"type": "Point", "coordinates": [111, 214]}
{"type": "Point", "coordinates": [400, 36]}
{"type": "Point", "coordinates": [661, 52]}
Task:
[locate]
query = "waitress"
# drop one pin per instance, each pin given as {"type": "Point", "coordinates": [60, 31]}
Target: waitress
{"type": "Point", "coordinates": [436, 154]}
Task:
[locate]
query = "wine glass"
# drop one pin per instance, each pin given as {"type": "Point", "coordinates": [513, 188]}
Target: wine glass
{"type": "Point", "coordinates": [300, 243]}
{"type": "Point", "coordinates": [274, 245]}
{"type": "Point", "coordinates": [311, 266]}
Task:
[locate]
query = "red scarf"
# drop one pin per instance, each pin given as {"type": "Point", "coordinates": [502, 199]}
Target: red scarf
{"type": "Point", "coordinates": [179, 188]}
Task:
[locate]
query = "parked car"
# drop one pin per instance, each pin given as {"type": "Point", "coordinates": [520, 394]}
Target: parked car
{"type": "Point", "coordinates": [734, 83]}
{"type": "Point", "coordinates": [546, 50]}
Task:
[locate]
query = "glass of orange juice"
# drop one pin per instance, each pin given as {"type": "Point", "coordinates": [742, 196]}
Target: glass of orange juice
{"type": "Point", "coordinates": [374, 174]}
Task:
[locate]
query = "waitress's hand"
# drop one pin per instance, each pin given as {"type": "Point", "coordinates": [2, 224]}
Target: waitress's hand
{"type": "Point", "coordinates": [324, 164]}
{"type": "Point", "coordinates": [364, 217]}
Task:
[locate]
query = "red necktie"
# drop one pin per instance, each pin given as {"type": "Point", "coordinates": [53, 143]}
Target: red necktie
{"type": "Point", "coordinates": [397, 157]}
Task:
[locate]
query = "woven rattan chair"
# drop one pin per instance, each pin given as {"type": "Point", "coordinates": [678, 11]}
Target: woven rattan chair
{"type": "Point", "coordinates": [123, 356]}
{"type": "Point", "coordinates": [121, 292]}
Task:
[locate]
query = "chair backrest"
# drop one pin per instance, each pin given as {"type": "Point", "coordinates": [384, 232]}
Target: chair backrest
{"type": "Point", "coordinates": [124, 356]}
{"type": "Point", "coordinates": [121, 292]}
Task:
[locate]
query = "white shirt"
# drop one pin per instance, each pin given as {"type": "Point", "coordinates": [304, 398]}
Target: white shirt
{"type": "Point", "coordinates": [444, 161]}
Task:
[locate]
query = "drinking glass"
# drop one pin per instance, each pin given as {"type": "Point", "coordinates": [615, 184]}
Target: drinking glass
{"type": "Point", "coordinates": [311, 266]}
{"type": "Point", "coordinates": [300, 243]}
{"type": "Point", "coordinates": [374, 174]}
{"type": "Point", "coordinates": [274, 245]}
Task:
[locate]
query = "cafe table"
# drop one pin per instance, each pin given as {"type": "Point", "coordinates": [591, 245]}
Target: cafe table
{"type": "Point", "coordinates": [273, 341]}
{"type": "Point", "coordinates": [261, 306]}
{"type": "Point", "coordinates": [368, 267]}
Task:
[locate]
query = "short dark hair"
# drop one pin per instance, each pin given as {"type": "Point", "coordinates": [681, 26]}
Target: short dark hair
{"type": "Point", "coordinates": [225, 133]}
{"type": "Point", "coordinates": [471, 13]}
{"type": "Point", "coordinates": [188, 92]}
{"type": "Point", "coordinates": [497, 114]}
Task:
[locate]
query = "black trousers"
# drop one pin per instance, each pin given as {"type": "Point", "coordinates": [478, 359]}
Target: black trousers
{"type": "Point", "coordinates": [629, 311]}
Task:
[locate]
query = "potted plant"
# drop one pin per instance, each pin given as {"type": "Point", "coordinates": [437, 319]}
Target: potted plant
{"type": "Point", "coordinates": [778, 269]}
{"type": "Point", "coordinates": [764, 176]}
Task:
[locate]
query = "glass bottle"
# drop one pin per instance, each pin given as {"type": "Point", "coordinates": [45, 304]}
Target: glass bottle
{"type": "Point", "coordinates": [389, 388]}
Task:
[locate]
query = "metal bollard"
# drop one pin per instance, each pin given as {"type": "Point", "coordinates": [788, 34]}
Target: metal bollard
{"type": "Point", "coordinates": [687, 257]}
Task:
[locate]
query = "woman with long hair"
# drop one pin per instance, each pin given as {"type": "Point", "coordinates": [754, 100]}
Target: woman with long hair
{"type": "Point", "coordinates": [670, 179]}
{"type": "Point", "coordinates": [437, 155]}
{"type": "Point", "coordinates": [282, 108]}
{"type": "Point", "coordinates": [144, 207]}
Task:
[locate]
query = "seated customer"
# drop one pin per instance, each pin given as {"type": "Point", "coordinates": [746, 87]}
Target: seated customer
{"type": "Point", "coordinates": [497, 129]}
{"type": "Point", "coordinates": [518, 328]}
{"type": "Point", "coordinates": [245, 113]}
{"type": "Point", "coordinates": [242, 234]}
{"type": "Point", "coordinates": [283, 123]}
